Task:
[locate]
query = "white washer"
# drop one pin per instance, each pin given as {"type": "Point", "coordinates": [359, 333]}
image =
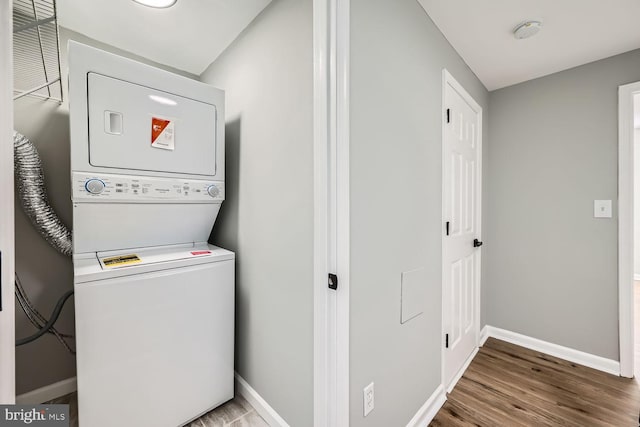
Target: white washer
{"type": "Point", "coordinates": [153, 337]}
{"type": "Point", "coordinates": [154, 302]}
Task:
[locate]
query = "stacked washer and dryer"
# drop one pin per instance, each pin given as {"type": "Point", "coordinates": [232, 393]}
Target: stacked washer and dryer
{"type": "Point", "coordinates": [154, 301]}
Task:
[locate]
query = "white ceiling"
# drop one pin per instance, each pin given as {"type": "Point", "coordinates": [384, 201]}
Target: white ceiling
{"type": "Point", "coordinates": [188, 36]}
{"type": "Point", "coordinates": [574, 32]}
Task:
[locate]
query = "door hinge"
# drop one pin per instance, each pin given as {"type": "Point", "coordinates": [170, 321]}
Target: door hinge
{"type": "Point", "coordinates": [446, 341]}
{"type": "Point", "coordinates": [333, 281]}
{"type": "Point", "coordinates": [448, 224]}
{"type": "Point", "coordinates": [448, 115]}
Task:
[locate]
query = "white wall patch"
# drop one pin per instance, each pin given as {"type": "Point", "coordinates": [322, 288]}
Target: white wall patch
{"type": "Point", "coordinates": [413, 294]}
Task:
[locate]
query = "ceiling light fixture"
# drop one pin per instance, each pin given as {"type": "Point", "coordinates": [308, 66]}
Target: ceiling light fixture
{"type": "Point", "coordinates": [527, 29]}
{"type": "Point", "coordinates": [158, 4]}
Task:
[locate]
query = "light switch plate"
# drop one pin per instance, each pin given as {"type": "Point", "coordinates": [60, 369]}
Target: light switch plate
{"type": "Point", "coordinates": [602, 209]}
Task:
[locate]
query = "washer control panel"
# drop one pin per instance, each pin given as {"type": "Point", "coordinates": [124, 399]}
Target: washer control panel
{"type": "Point", "coordinates": [129, 188]}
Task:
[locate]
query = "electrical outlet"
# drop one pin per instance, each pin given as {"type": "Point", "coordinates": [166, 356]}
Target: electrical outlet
{"type": "Point", "coordinates": [368, 399]}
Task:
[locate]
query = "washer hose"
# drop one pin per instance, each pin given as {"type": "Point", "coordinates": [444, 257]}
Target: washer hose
{"type": "Point", "coordinates": [52, 320]}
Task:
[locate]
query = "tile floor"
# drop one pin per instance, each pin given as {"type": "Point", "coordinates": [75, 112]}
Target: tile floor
{"type": "Point", "coordinates": [235, 413]}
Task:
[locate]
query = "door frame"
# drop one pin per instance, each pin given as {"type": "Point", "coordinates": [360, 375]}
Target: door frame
{"type": "Point", "coordinates": [331, 212]}
{"type": "Point", "coordinates": [625, 226]}
{"type": "Point", "coordinates": [7, 228]}
{"type": "Point", "coordinates": [448, 79]}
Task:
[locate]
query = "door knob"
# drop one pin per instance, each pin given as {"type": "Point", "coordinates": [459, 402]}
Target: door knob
{"type": "Point", "coordinates": [476, 243]}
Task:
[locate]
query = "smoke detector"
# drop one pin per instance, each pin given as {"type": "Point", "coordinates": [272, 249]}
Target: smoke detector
{"type": "Point", "coordinates": [527, 29]}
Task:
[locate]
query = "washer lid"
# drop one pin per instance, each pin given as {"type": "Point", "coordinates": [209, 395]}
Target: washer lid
{"type": "Point", "coordinates": [103, 265]}
{"type": "Point", "coordinates": [145, 256]}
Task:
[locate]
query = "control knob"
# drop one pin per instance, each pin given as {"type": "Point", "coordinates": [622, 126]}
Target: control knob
{"type": "Point", "coordinates": [94, 186]}
{"type": "Point", "coordinates": [213, 191]}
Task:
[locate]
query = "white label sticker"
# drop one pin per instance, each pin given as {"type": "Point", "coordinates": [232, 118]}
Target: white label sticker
{"type": "Point", "coordinates": [162, 133]}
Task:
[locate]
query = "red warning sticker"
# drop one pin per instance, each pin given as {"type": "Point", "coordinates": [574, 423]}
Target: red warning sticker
{"type": "Point", "coordinates": [200, 252]}
{"type": "Point", "coordinates": [162, 133]}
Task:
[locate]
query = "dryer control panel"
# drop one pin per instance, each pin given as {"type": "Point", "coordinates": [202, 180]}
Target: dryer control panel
{"type": "Point", "coordinates": [128, 188]}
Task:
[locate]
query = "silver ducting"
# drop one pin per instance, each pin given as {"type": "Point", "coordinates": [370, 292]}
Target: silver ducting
{"type": "Point", "coordinates": [32, 193]}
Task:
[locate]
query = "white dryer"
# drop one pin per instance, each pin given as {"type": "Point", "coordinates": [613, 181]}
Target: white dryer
{"type": "Point", "coordinates": [154, 302]}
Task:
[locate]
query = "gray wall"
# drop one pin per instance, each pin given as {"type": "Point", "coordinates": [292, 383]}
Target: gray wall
{"type": "Point", "coordinates": [397, 57]}
{"type": "Point", "coordinates": [552, 273]}
{"type": "Point", "coordinates": [46, 274]}
{"type": "Point", "coordinates": [267, 219]}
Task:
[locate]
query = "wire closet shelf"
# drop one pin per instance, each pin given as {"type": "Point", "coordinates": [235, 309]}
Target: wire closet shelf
{"type": "Point", "coordinates": [36, 50]}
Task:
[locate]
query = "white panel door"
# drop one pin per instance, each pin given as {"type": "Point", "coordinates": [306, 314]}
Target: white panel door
{"type": "Point", "coordinates": [462, 154]}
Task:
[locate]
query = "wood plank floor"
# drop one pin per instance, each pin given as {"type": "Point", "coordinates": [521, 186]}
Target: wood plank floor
{"type": "Point", "coordinates": [507, 385]}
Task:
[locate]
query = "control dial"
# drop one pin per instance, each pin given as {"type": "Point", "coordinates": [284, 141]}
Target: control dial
{"type": "Point", "coordinates": [213, 191]}
{"type": "Point", "coordinates": [94, 186]}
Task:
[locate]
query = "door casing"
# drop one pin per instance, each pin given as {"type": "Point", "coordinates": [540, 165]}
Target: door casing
{"type": "Point", "coordinates": [331, 211]}
{"type": "Point", "coordinates": [7, 315]}
{"type": "Point", "coordinates": [625, 226]}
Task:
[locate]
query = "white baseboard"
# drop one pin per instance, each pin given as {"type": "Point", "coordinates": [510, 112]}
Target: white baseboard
{"type": "Point", "coordinates": [49, 392]}
{"type": "Point", "coordinates": [484, 335]}
{"type": "Point", "coordinates": [576, 356]}
{"type": "Point", "coordinates": [430, 408]}
{"type": "Point", "coordinates": [259, 404]}
{"type": "Point", "coordinates": [636, 276]}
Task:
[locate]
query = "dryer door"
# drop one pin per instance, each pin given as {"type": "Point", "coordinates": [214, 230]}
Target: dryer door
{"type": "Point", "coordinates": [135, 127]}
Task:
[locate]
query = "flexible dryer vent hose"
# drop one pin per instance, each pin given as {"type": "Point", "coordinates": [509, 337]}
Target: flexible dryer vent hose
{"type": "Point", "coordinates": [33, 195]}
